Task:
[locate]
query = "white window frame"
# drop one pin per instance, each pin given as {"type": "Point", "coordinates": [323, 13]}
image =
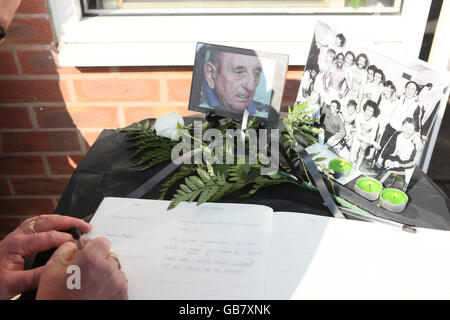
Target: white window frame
{"type": "Point", "coordinates": [169, 40]}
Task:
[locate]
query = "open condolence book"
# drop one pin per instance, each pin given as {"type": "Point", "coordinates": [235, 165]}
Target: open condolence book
{"type": "Point", "coordinates": [241, 251]}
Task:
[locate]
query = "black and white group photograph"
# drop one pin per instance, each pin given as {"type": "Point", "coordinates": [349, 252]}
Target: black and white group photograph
{"type": "Point", "coordinates": [376, 110]}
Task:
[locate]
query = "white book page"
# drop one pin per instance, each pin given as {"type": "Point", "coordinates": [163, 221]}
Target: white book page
{"type": "Point", "coordinates": [213, 251]}
{"type": "Point", "coordinates": [315, 257]}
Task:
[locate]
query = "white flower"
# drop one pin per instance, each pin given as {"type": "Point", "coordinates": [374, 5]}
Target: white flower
{"type": "Point", "coordinates": [167, 125]}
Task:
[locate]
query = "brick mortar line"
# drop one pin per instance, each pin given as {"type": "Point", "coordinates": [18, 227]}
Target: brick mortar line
{"type": "Point", "coordinates": [33, 117]}
{"type": "Point", "coordinates": [82, 142]}
{"type": "Point", "coordinates": [72, 91]}
{"type": "Point", "coordinates": [48, 154]}
{"type": "Point", "coordinates": [75, 129]}
{"type": "Point", "coordinates": [106, 104]}
{"type": "Point", "coordinates": [11, 187]}
{"type": "Point", "coordinates": [121, 116]}
{"type": "Point", "coordinates": [33, 176]}
{"type": "Point", "coordinates": [44, 153]}
{"type": "Point", "coordinates": [36, 176]}
{"type": "Point", "coordinates": [29, 77]}
{"type": "Point", "coordinates": [27, 47]}
{"type": "Point", "coordinates": [164, 91]}
{"type": "Point", "coordinates": [46, 166]}
{"type": "Point", "coordinates": [35, 197]}
{"type": "Point", "coordinates": [107, 76]}
{"type": "Point", "coordinates": [31, 15]}
{"type": "Point", "coordinates": [55, 202]}
{"type": "Point", "coordinates": [124, 76]}
{"type": "Point", "coordinates": [17, 61]}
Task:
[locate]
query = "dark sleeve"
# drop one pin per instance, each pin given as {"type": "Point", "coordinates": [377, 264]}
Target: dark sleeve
{"type": "Point", "coordinates": [416, 115]}
{"type": "Point", "coordinates": [396, 158]}
{"type": "Point", "coordinates": [390, 147]}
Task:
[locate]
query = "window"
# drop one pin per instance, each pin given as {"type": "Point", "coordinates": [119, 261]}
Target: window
{"type": "Point", "coordinates": [156, 33]}
{"type": "Point", "coordinates": [124, 7]}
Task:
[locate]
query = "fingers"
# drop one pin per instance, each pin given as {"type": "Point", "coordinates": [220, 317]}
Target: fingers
{"type": "Point", "coordinates": [64, 253]}
{"type": "Point", "coordinates": [121, 286]}
{"type": "Point", "coordinates": [105, 266]}
{"type": "Point", "coordinates": [114, 256]}
{"type": "Point", "coordinates": [26, 280]}
{"type": "Point", "coordinates": [85, 240]}
{"type": "Point", "coordinates": [42, 241]}
{"type": "Point", "coordinates": [98, 247]}
{"type": "Point", "coordinates": [95, 252]}
{"type": "Point", "coordinates": [56, 222]}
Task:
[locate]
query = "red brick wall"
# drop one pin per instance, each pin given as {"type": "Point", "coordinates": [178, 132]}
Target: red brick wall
{"type": "Point", "coordinates": [49, 116]}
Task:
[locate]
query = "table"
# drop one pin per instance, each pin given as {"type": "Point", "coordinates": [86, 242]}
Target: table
{"type": "Point", "coordinates": [109, 170]}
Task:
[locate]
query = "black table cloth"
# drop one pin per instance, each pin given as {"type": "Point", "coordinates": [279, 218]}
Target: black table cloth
{"type": "Point", "coordinates": [109, 170]}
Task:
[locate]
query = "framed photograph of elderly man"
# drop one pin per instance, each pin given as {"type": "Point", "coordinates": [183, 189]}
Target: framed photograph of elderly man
{"type": "Point", "coordinates": [378, 108]}
{"type": "Point", "coordinates": [228, 80]}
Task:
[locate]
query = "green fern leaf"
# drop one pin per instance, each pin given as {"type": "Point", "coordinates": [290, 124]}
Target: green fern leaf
{"type": "Point", "coordinates": [185, 188]}
{"type": "Point", "coordinates": [197, 181]}
{"type": "Point", "coordinates": [203, 175]}
{"type": "Point", "coordinates": [191, 184]}
{"type": "Point", "coordinates": [207, 194]}
{"type": "Point", "coordinates": [184, 171]}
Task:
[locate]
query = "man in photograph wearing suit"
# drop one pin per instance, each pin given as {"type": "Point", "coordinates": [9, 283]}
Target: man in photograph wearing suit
{"type": "Point", "coordinates": [230, 84]}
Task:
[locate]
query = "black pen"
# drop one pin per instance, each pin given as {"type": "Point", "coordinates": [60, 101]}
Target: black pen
{"type": "Point", "coordinates": [77, 237]}
{"type": "Point", "coordinates": [373, 218]}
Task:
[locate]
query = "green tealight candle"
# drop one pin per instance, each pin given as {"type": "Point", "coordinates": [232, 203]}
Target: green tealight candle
{"type": "Point", "coordinates": [341, 167]}
{"type": "Point", "coordinates": [393, 200]}
{"type": "Point", "coordinates": [369, 188]}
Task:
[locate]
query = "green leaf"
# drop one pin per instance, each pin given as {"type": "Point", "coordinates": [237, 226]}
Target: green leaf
{"type": "Point", "coordinates": [185, 188]}
{"type": "Point", "coordinates": [184, 171]}
{"type": "Point", "coordinates": [197, 181]}
{"type": "Point", "coordinates": [194, 195]}
{"type": "Point", "coordinates": [243, 171]}
{"type": "Point", "coordinates": [207, 194]}
{"type": "Point", "coordinates": [191, 184]}
{"type": "Point", "coordinates": [355, 4]}
{"type": "Point", "coordinates": [203, 175]}
{"type": "Point", "coordinates": [221, 169]}
{"type": "Point", "coordinates": [320, 159]}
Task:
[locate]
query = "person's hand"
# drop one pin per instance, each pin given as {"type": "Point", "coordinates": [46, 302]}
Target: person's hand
{"type": "Point", "coordinates": [392, 164]}
{"type": "Point", "coordinates": [100, 276]}
{"type": "Point", "coordinates": [34, 235]}
{"type": "Point", "coordinates": [388, 164]}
